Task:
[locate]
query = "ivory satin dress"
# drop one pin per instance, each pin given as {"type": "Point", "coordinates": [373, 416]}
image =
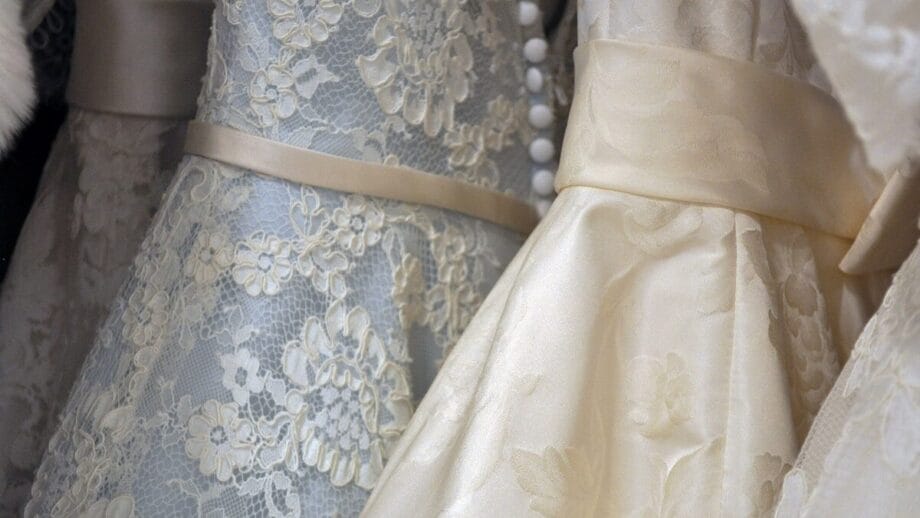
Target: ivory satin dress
{"type": "Point", "coordinates": [664, 338]}
{"type": "Point", "coordinates": [285, 311]}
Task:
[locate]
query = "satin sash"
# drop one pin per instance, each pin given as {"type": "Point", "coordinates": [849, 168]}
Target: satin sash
{"type": "Point", "coordinates": [344, 174]}
{"type": "Point", "coordinates": [683, 125]}
{"type": "Point", "coordinates": [139, 57]}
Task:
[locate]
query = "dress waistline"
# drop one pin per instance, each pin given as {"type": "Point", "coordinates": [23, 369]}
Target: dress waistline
{"type": "Point", "coordinates": [344, 174]}
{"type": "Point", "coordinates": [139, 57]}
{"type": "Point", "coordinates": [683, 125]}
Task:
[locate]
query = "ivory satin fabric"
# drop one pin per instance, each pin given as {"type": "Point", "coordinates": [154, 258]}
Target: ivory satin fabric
{"type": "Point", "coordinates": [664, 338]}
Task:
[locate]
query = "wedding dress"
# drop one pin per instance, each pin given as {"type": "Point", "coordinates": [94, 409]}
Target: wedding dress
{"type": "Point", "coordinates": [663, 339]}
{"type": "Point", "coordinates": [266, 352]}
{"type": "Point", "coordinates": [862, 456]}
{"type": "Point", "coordinates": [102, 183]}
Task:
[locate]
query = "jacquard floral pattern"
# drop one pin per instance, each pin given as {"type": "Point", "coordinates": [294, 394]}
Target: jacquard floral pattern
{"type": "Point", "coordinates": [659, 392]}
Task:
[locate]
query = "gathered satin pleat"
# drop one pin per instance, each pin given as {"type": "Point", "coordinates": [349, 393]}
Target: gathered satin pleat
{"type": "Point", "coordinates": [663, 340]}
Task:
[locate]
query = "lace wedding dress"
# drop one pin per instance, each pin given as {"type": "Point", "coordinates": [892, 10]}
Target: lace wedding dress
{"type": "Point", "coordinates": [862, 456]}
{"type": "Point", "coordinates": [101, 185]}
{"type": "Point", "coordinates": [266, 352]}
{"type": "Point", "coordinates": [663, 340]}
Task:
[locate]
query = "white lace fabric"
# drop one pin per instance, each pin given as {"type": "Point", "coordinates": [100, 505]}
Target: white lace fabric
{"type": "Point", "coordinates": [266, 353]}
{"type": "Point", "coordinates": [862, 455]}
{"type": "Point", "coordinates": [100, 188]}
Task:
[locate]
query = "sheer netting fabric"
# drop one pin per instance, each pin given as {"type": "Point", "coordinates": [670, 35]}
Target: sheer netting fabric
{"type": "Point", "coordinates": [267, 350]}
{"type": "Point", "coordinates": [644, 356]}
{"type": "Point", "coordinates": [861, 457]}
{"type": "Point", "coordinates": [101, 186]}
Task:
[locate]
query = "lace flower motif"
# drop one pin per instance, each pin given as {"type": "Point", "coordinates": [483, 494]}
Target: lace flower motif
{"type": "Point", "coordinates": [423, 64]}
{"type": "Point", "coordinates": [263, 263]}
{"type": "Point", "coordinates": [211, 255]}
{"type": "Point", "coordinates": [219, 439]}
{"type": "Point", "coordinates": [409, 291]}
{"type": "Point", "coordinates": [299, 24]}
{"type": "Point", "coordinates": [241, 375]}
{"type": "Point", "coordinates": [272, 96]}
{"type": "Point", "coordinates": [146, 316]}
{"type": "Point", "coordinates": [359, 224]}
{"type": "Point", "coordinates": [353, 401]}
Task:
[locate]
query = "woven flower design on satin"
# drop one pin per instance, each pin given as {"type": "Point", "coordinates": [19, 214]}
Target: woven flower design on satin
{"type": "Point", "coordinates": [423, 64]}
{"type": "Point", "coordinates": [658, 393]}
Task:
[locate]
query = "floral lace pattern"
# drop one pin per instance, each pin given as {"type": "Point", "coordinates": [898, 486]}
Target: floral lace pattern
{"type": "Point", "coordinates": [266, 354]}
{"type": "Point", "coordinates": [102, 183]}
{"type": "Point", "coordinates": [862, 455]}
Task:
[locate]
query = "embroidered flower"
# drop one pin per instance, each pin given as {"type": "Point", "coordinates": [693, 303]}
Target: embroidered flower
{"type": "Point", "coordinates": [423, 64]}
{"type": "Point", "coordinates": [355, 401]}
{"type": "Point", "coordinates": [241, 375]}
{"type": "Point", "coordinates": [210, 255]}
{"type": "Point", "coordinates": [325, 268]}
{"type": "Point", "coordinates": [309, 74]}
{"type": "Point", "coordinates": [219, 439]}
{"type": "Point", "coordinates": [452, 301]}
{"type": "Point", "coordinates": [118, 507]}
{"type": "Point", "coordinates": [146, 316]}
{"type": "Point", "coordinates": [271, 95]}
{"type": "Point", "coordinates": [359, 224]}
{"type": "Point", "coordinates": [658, 392]}
{"type": "Point", "coordinates": [299, 24]}
{"type": "Point", "coordinates": [409, 291]}
{"type": "Point", "coordinates": [262, 264]}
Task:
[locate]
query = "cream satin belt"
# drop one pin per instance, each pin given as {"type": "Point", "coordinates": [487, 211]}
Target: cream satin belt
{"type": "Point", "coordinates": [682, 125]}
{"type": "Point", "coordinates": [344, 174]}
{"type": "Point", "coordinates": [139, 57]}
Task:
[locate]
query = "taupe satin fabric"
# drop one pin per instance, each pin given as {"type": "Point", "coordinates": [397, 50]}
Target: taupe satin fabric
{"type": "Point", "coordinates": [146, 59]}
{"type": "Point", "coordinates": [682, 125]}
{"type": "Point", "coordinates": [343, 174]}
{"type": "Point", "coordinates": [664, 338]}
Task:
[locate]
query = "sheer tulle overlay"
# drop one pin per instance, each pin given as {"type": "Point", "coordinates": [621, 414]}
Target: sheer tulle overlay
{"type": "Point", "coordinates": [861, 457]}
{"type": "Point", "coordinates": [103, 182]}
{"type": "Point", "coordinates": [266, 353]}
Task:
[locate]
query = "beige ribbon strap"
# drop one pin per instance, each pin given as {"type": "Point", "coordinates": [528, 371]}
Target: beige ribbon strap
{"type": "Point", "coordinates": [344, 174]}
{"type": "Point", "coordinates": [683, 125]}
{"type": "Point", "coordinates": [139, 57]}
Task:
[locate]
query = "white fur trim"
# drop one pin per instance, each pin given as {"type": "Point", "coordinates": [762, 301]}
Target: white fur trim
{"type": "Point", "coordinates": [17, 93]}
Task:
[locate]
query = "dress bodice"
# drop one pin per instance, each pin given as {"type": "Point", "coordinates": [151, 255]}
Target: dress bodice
{"type": "Point", "coordinates": [437, 85]}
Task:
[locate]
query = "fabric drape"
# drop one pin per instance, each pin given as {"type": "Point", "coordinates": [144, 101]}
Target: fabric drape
{"type": "Point", "coordinates": [663, 340]}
